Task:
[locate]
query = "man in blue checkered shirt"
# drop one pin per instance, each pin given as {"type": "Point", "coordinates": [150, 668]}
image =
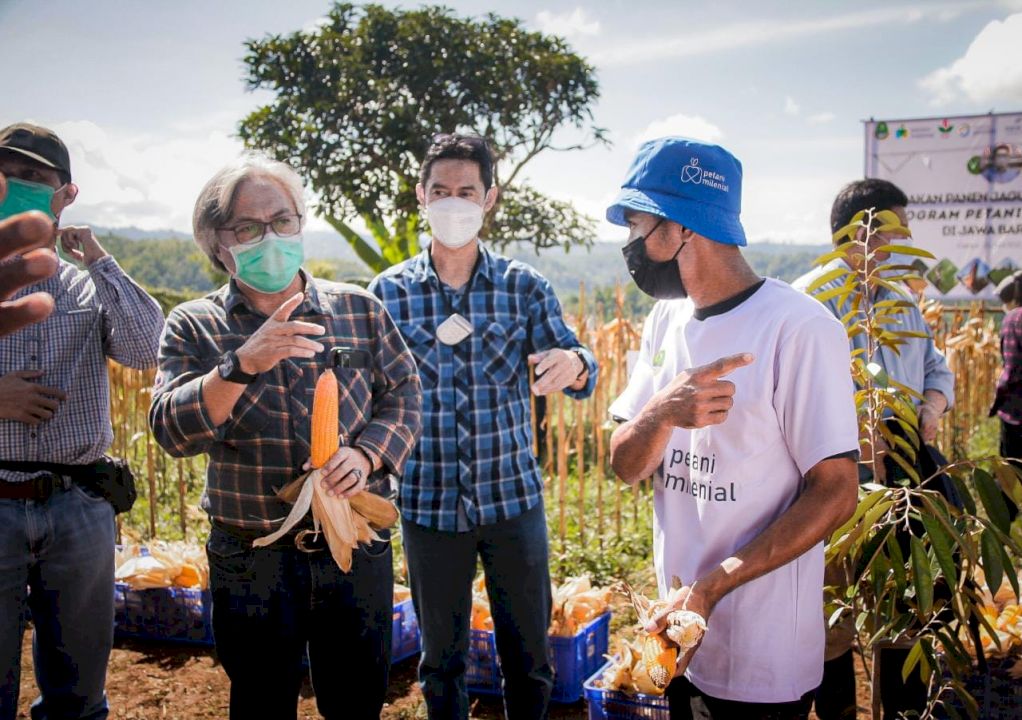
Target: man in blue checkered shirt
{"type": "Point", "coordinates": [475, 322]}
{"type": "Point", "coordinates": [56, 536]}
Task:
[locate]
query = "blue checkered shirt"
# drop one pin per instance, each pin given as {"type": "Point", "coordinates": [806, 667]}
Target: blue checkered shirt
{"type": "Point", "coordinates": [476, 445]}
{"type": "Point", "coordinates": [100, 313]}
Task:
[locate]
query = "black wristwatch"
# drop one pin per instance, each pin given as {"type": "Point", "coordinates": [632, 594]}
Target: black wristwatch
{"type": "Point", "coordinates": [585, 365]}
{"type": "Point", "coordinates": [230, 369]}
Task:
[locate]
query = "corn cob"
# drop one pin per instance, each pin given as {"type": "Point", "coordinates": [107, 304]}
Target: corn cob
{"type": "Point", "coordinates": [325, 436]}
{"type": "Point", "coordinates": [660, 656]}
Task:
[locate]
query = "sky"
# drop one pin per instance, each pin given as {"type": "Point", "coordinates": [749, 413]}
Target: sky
{"type": "Point", "coordinates": [147, 95]}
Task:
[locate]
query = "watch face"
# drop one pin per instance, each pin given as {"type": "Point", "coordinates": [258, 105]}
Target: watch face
{"type": "Point", "coordinates": [226, 365]}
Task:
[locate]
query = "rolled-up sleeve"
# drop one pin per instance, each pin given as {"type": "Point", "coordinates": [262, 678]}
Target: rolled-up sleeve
{"type": "Point", "coordinates": [548, 330]}
{"type": "Point", "coordinates": [178, 417]}
{"type": "Point", "coordinates": [396, 423]}
{"type": "Point", "coordinates": [132, 319]}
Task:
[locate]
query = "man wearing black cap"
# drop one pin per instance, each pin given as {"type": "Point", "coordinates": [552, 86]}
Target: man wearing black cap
{"type": "Point", "coordinates": [56, 530]}
{"type": "Point", "coordinates": [751, 472]}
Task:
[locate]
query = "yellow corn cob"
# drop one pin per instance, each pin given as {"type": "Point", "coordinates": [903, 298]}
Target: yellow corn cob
{"type": "Point", "coordinates": [660, 658]}
{"type": "Point", "coordinates": [325, 440]}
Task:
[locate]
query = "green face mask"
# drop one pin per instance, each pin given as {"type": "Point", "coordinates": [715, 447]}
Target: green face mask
{"type": "Point", "coordinates": [23, 195]}
{"type": "Point", "coordinates": [271, 264]}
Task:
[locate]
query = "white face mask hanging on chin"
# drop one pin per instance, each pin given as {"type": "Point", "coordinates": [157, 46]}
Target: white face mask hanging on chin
{"type": "Point", "coordinates": [454, 221]}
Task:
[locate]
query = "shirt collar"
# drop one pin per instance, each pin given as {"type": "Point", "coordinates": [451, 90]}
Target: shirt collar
{"type": "Point", "coordinates": [422, 268]}
{"type": "Point", "coordinates": [235, 298]}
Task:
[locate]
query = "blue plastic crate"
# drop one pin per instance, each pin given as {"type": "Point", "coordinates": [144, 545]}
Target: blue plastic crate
{"type": "Point", "coordinates": [573, 660]}
{"type": "Point", "coordinates": [406, 640]}
{"type": "Point", "coordinates": [166, 614]}
{"type": "Point", "coordinates": [615, 705]}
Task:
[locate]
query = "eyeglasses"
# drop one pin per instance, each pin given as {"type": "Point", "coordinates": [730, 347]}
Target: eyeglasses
{"type": "Point", "coordinates": [254, 231]}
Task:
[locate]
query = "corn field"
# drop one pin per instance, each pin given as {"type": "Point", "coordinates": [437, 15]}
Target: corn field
{"type": "Point", "coordinates": [573, 442]}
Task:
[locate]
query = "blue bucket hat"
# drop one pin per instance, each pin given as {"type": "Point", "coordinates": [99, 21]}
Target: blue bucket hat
{"type": "Point", "coordinates": [695, 184]}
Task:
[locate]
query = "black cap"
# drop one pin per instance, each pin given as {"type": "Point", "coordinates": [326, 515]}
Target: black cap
{"type": "Point", "coordinates": [39, 144]}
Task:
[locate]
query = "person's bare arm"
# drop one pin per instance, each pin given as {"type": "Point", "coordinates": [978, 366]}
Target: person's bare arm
{"type": "Point", "coordinates": [695, 398]}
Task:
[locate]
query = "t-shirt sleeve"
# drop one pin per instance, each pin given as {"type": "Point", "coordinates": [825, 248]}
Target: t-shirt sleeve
{"type": "Point", "coordinates": [640, 387]}
{"type": "Point", "coordinates": [814, 396]}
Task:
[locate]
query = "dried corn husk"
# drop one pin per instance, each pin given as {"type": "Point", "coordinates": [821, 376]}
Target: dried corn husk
{"type": "Point", "coordinates": [575, 604]}
{"type": "Point", "coordinates": [684, 630]}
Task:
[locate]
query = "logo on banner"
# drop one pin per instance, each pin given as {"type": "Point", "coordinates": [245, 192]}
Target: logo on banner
{"type": "Point", "coordinates": [964, 130]}
{"type": "Point", "coordinates": [882, 132]}
{"type": "Point", "coordinates": [945, 128]}
{"type": "Point", "coordinates": [901, 132]}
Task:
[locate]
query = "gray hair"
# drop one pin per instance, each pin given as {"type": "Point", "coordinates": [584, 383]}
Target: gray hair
{"type": "Point", "coordinates": [215, 204]}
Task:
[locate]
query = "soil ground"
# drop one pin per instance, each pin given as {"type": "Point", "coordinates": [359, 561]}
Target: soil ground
{"type": "Point", "coordinates": [176, 682]}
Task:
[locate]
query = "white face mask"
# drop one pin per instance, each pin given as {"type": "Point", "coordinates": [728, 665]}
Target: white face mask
{"type": "Point", "coordinates": [454, 221]}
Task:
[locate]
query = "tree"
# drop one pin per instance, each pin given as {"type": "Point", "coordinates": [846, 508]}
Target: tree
{"type": "Point", "coordinates": [358, 99]}
{"type": "Point", "coordinates": [921, 569]}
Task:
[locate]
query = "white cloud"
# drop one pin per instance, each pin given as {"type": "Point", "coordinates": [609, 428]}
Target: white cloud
{"type": "Point", "coordinates": [691, 126]}
{"type": "Point", "coordinates": [763, 31]}
{"type": "Point", "coordinates": [790, 106]}
{"type": "Point", "coordinates": [821, 118]}
{"type": "Point", "coordinates": [574, 24]}
{"type": "Point", "coordinates": [145, 180]}
{"type": "Point", "coordinates": [989, 71]}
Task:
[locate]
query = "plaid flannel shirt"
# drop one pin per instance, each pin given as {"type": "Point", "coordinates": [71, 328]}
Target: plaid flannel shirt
{"type": "Point", "coordinates": [1008, 400]}
{"type": "Point", "coordinates": [265, 442]}
{"type": "Point", "coordinates": [476, 446]}
{"type": "Point", "coordinates": [99, 313]}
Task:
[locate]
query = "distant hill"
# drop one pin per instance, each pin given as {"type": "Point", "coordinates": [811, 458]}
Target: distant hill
{"type": "Point", "coordinates": [171, 260]}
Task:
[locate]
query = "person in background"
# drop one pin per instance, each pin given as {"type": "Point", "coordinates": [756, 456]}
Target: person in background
{"type": "Point", "coordinates": [238, 372]}
{"type": "Point", "coordinates": [476, 322]}
{"type": "Point", "coordinates": [1007, 405]}
{"type": "Point", "coordinates": [56, 532]}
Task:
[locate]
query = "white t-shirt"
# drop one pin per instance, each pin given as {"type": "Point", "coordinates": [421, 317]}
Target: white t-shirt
{"type": "Point", "coordinates": [721, 486]}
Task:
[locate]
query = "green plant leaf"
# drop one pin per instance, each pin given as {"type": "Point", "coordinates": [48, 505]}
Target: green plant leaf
{"type": "Point", "coordinates": [992, 499]}
{"type": "Point", "coordinates": [941, 542]}
{"type": "Point", "coordinates": [905, 250]}
{"type": "Point", "coordinates": [826, 278]}
{"type": "Point", "coordinates": [993, 567]}
{"type": "Point", "coordinates": [912, 660]}
{"type": "Point", "coordinates": [921, 576]}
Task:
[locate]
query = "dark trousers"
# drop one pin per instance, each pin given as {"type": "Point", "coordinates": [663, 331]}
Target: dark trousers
{"type": "Point", "coordinates": [687, 702]}
{"type": "Point", "coordinates": [269, 603]}
{"type": "Point", "coordinates": [835, 698]}
{"type": "Point", "coordinates": [441, 566]}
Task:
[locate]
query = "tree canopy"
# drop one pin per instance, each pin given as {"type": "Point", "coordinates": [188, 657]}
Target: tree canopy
{"type": "Point", "coordinates": [358, 99]}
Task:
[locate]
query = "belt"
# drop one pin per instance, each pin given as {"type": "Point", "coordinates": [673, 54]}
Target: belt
{"type": "Point", "coordinates": [39, 488]}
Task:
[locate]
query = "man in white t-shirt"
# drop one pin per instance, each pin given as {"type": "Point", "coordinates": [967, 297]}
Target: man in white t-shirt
{"type": "Point", "coordinates": [751, 472]}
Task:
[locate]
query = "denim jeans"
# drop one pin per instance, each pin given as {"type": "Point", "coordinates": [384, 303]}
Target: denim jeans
{"type": "Point", "coordinates": [269, 604]}
{"type": "Point", "coordinates": [63, 549]}
{"type": "Point", "coordinates": [515, 560]}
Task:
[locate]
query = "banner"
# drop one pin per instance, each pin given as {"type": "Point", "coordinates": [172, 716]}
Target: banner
{"type": "Point", "coordinates": [963, 177]}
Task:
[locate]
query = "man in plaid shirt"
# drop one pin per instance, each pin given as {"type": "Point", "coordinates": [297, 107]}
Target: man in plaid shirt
{"type": "Point", "coordinates": [238, 370]}
{"type": "Point", "coordinates": [475, 322]}
{"type": "Point", "coordinates": [56, 536]}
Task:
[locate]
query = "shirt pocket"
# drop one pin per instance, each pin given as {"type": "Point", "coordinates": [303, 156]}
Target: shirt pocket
{"type": "Point", "coordinates": [423, 346]}
{"type": "Point", "coordinates": [503, 347]}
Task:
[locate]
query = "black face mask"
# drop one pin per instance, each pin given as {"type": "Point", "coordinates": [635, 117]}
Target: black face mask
{"type": "Point", "coordinates": [660, 280]}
